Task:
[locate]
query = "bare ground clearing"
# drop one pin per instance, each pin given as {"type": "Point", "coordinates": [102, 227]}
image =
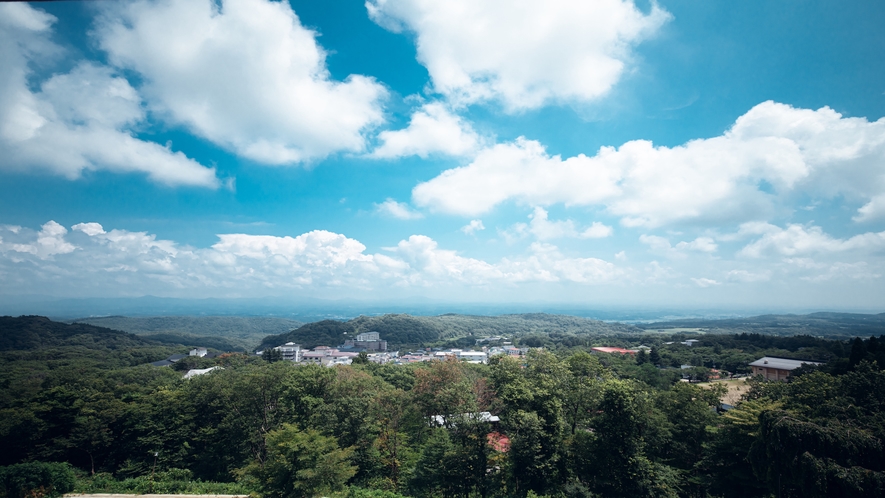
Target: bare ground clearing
{"type": "Point", "coordinates": [736, 388]}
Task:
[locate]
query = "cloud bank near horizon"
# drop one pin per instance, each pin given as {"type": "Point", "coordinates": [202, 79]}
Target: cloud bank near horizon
{"type": "Point", "coordinates": [89, 260]}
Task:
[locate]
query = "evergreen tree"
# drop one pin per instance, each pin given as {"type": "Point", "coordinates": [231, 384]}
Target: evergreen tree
{"type": "Point", "coordinates": [655, 357]}
{"type": "Point", "coordinates": [272, 355]}
{"type": "Point", "coordinates": [858, 352]}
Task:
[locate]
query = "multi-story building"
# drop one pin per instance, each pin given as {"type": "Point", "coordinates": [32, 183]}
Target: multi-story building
{"type": "Point", "coordinates": [290, 351]}
{"type": "Point", "coordinates": [370, 341]}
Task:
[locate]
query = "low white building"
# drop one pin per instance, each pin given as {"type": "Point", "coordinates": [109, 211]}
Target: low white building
{"type": "Point", "coordinates": [324, 355]}
{"type": "Point", "coordinates": [201, 352]}
{"type": "Point", "coordinates": [473, 356]}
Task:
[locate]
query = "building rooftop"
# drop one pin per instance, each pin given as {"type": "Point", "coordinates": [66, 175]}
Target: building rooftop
{"type": "Point", "coordinates": [605, 349]}
{"type": "Point", "coordinates": [781, 363]}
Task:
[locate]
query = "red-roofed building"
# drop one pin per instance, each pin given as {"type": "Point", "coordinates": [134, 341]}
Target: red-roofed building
{"type": "Point", "coordinates": [603, 349]}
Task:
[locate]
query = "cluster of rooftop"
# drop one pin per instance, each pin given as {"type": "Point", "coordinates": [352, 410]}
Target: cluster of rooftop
{"type": "Point", "coordinates": [460, 354]}
{"type": "Point", "coordinates": [376, 351]}
{"type": "Point", "coordinates": [320, 355]}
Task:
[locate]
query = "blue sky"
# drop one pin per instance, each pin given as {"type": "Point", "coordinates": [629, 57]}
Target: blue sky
{"type": "Point", "coordinates": [589, 153]}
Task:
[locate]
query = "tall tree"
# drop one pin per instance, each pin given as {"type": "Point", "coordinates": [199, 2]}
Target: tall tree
{"type": "Point", "coordinates": [302, 464]}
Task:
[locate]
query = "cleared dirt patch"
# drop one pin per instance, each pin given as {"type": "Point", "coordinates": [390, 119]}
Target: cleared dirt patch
{"type": "Point", "coordinates": [736, 388]}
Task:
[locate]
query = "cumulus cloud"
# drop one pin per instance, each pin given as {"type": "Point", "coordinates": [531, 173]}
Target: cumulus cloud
{"type": "Point", "coordinates": [244, 74]}
{"type": "Point", "coordinates": [433, 129]}
{"type": "Point", "coordinates": [50, 241]}
{"type": "Point", "coordinates": [542, 228]}
{"type": "Point", "coordinates": [93, 259]}
{"type": "Point", "coordinates": [543, 263]}
{"type": "Point", "coordinates": [77, 121]}
{"type": "Point", "coordinates": [519, 170]}
{"type": "Point", "coordinates": [521, 52]}
{"type": "Point", "coordinates": [399, 210]}
{"type": "Point", "coordinates": [91, 228]}
{"type": "Point", "coordinates": [473, 227]}
{"type": "Point", "coordinates": [711, 180]}
{"type": "Point", "coordinates": [429, 263]}
{"type": "Point", "coordinates": [89, 260]}
{"type": "Point", "coordinates": [797, 240]}
{"type": "Point", "coordinates": [873, 210]}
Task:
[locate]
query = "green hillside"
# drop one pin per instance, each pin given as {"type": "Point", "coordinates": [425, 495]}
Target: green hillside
{"type": "Point", "coordinates": [407, 330]}
{"type": "Point", "coordinates": [226, 333]}
{"type": "Point", "coordinates": [37, 332]}
{"type": "Point", "coordinates": [826, 324]}
{"type": "Point", "coordinates": [35, 349]}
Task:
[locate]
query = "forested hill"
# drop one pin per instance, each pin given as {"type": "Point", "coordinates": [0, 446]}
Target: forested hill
{"type": "Point", "coordinates": [400, 330]}
{"type": "Point", "coordinates": [37, 332]}
{"type": "Point", "coordinates": [826, 324]}
{"type": "Point", "coordinates": [225, 333]}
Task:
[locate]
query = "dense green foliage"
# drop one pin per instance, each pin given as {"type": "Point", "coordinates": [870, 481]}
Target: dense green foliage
{"type": "Point", "coordinates": [37, 332]}
{"type": "Point", "coordinates": [573, 424]}
{"type": "Point", "coordinates": [171, 481]}
{"type": "Point", "coordinates": [35, 479]}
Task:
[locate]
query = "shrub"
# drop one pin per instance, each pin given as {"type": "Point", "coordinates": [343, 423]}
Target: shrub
{"type": "Point", "coordinates": [36, 479]}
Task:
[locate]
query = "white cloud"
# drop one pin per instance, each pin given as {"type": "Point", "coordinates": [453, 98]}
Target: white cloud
{"type": "Point", "coordinates": [473, 227]}
{"type": "Point", "coordinates": [94, 260]}
{"type": "Point", "coordinates": [244, 74]}
{"type": "Point", "coordinates": [702, 244]}
{"type": "Point", "coordinates": [800, 240]}
{"type": "Point", "coordinates": [433, 129]}
{"type": "Point", "coordinates": [81, 120]}
{"type": "Point", "coordinates": [399, 210]}
{"type": "Point", "coordinates": [543, 263]}
{"type": "Point", "coordinates": [873, 210]}
{"type": "Point", "coordinates": [662, 245]}
{"type": "Point", "coordinates": [521, 52]}
{"type": "Point", "coordinates": [90, 229]}
{"type": "Point", "coordinates": [548, 263]}
{"type": "Point", "coordinates": [704, 282]}
{"type": "Point", "coordinates": [50, 241]}
{"type": "Point", "coordinates": [429, 263]}
{"type": "Point", "coordinates": [714, 180]}
{"type": "Point", "coordinates": [91, 260]}
{"type": "Point", "coordinates": [545, 229]}
{"type": "Point", "coordinates": [747, 276]}
{"type": "Point", "coordinates": [520, 170]}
